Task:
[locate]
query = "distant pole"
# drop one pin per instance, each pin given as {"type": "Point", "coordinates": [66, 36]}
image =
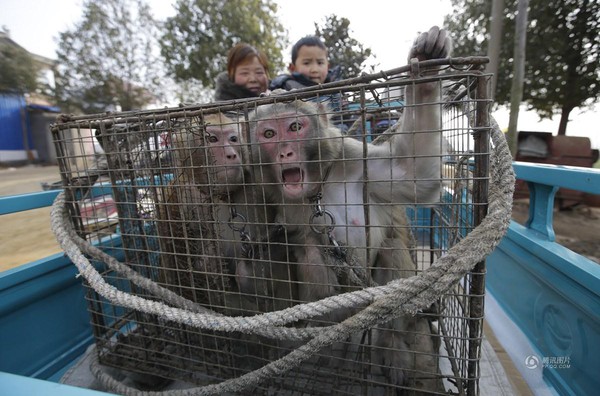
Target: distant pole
{"type": "Point", "coordinates": [516, 92]}
{"type": "Point", "coordinates": [494, 41]}
{"type": "Point", "coordinates": [25, 131]}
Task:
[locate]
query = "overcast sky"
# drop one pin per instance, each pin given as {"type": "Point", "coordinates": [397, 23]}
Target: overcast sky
{"type": "Point", "coordinates": [381, 25]}
{"type": "Point", "coordinates": [387, 27]}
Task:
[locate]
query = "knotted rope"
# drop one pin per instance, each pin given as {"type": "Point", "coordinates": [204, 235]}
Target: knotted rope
{"type": "Point", "coordinates": [381, 303]}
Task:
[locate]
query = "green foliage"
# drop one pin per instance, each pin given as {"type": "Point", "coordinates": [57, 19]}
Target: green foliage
{"type": "Point", "coordinates": [197, 39]}
{"type": "Point", "coordinates": [110, 60]}
{"type": "Point", "coordinates": [562, 69]}
{"type": "Point", "coordinates": [18, 72]}
{"type": "Point", "coordinates": [343, 50]}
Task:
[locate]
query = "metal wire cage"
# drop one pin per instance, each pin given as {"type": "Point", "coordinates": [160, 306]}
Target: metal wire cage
{"type": "Point", "coordinates": [147, 188]}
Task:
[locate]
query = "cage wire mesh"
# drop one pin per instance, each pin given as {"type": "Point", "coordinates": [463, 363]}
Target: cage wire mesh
{"type": "Point", "coordinates": [185, 197]}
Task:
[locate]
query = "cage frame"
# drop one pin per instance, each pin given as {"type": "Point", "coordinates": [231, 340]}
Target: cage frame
{"type": "Point", "coordinates": [75, 187]}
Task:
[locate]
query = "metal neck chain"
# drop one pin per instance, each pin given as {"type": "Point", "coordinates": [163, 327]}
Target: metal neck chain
{"type": "Point", "coordinates": [247, 247]}
{"type": "Point", "coordinates": [318, 211]}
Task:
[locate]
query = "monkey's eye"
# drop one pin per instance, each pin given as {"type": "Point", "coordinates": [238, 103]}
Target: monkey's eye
{"type": "Point", "coordinates": [233, 139]}
{"type": "Point", "coordinates": [295, 126]}
{"type": "Point", "coordinates": [269, 133]}
{"type": "Point", "coordinates": [212, 139]}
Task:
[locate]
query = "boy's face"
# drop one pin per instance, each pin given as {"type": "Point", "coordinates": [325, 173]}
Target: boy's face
{"type": "Point", "coordinates": [252, 75]}
{"type": "Point", "coordinates": [312, 63]}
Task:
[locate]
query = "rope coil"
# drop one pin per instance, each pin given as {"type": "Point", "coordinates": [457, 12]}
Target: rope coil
{"type": "Point", "coordinates": [381, 303]}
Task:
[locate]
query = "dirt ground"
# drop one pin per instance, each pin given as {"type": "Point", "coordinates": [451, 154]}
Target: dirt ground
{"type": "Point", "coordinates": [26, 236]}
{"type": "Point", "coordinates": [578, 228]}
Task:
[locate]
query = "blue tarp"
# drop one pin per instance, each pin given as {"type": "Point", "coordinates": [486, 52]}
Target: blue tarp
{"type": "Point", "coordinates": [11, 126]}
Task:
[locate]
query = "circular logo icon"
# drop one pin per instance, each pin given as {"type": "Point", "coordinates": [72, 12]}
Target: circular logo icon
{"type": "Point", "coordinates": [532, 362]}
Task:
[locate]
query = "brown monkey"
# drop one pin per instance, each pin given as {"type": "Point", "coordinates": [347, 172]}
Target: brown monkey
{"type": "Point", "coordinates": [405, 348]}
{"type": "Point", "coordinates": [208, 168]}
{"type": "Point", "coordinates": [212, 224]}
{"type": "Point", "coordinates": [410, 345]}
{"type": "Point", "coordinates": [301, 157]}
{"type": "Point", "coordinates": [318, 178]}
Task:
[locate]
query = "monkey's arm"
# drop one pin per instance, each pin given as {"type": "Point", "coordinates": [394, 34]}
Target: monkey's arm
{"type": "Point", "coordinates": [416, 141]}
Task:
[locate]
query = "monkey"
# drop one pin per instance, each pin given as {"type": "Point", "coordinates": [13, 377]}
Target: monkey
{"type": "Point", "coordinates": [317, 178]}
{"type": "Point", "coordinates": [295, 148]}
{"type": "Point", "coordinates": [417, 365]}
{"type": "Point", "coordinates": [266, 278]}
{"type": "Point", "coordinates": [207, 169]}
{"type": "Point", "coordinates": [406, 348]}
{"type": "Point", "coordinates": [212, 222]}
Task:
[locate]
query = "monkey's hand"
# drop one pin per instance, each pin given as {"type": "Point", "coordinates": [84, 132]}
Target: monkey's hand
{"type": "Point", "coordinates": [278, 91]}
{"type": "Point", "coordinates": [434, 44]}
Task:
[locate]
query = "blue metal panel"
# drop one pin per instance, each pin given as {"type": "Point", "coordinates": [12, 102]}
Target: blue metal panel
{"type": "Point", "coordinates": [541, 209]}
{"type": "Point", "coordinates": [44, 322]}
{"type": "Point", "coordinates": [571, 177]}
{"type": "Point", "coordinates": [552, 294]}
{"type": "Point", "coordinates": [549, 291]}
{"type": "Point", "coordinates": [15, 385]}
{"type": "Point", "coordinates": [19, 203]}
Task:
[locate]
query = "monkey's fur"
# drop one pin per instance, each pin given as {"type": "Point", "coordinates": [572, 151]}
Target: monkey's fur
{"type": "Point", "coordinates": [203, 256]}
{"type": "Point", "coordinates": [189, 213]}
{"type": "Point", "coordinates": [299, 156]}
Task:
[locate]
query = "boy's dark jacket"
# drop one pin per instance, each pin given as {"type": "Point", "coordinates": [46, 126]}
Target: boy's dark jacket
{"type": "Point", "coordinates": [297, 80]}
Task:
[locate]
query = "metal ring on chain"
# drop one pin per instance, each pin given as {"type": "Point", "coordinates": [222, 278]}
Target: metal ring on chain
{"type": "Point", "coordinates": [232, 225]}
{"type": "Point", "coordinates": [328, 228]}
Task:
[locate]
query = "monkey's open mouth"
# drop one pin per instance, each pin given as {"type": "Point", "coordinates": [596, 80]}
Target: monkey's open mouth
{"type": "Point", "coordinates": [292, 176]}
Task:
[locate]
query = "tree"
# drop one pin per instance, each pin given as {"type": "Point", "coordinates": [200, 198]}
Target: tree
{"type": "Point", "coordinates": [516, 90]}
{"type": "Point", "coordinates": [493, 51]}
{"type": "Point", "coordinates": [343, 49]}
{"type": "Point", "coordinates": [110, 60]}
{"type": "Point", "coordinates": [197, 39]}
{"type": "Point", "coordinates": [18, 72]}
{"type": "Point", "coordinates": [562, 70]}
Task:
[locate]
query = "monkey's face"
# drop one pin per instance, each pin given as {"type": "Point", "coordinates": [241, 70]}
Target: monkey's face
{"type": "Point", "coordinates": [225, 148]}
{"type": "Point", "coordinates": [286, 145]}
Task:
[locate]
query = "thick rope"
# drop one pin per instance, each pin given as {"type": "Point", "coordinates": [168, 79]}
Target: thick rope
{"type": "Point", "coordinates": [382, 303]}
{"type": "Point", "coordinates": [174, 299]}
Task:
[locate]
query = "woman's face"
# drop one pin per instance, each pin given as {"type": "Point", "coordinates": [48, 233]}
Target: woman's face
{"type": "Point", "coordinates": [252, 75]}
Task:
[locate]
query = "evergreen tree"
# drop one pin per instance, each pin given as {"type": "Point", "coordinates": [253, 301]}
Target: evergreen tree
{"type": "Point", "coordinates": [18, 72]}
{"type": "Point", "coordinates": [110, 60]}
{"type": "Point", "coordinates": [197, 39]}
{"type": "Point", "coordinates": [343, 49]}
{"type": "Point", "coordinates": [562, 69]}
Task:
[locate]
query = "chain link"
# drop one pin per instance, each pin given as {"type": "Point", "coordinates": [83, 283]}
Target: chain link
{"type": "Point", "coordinates": [328, 229]}
{"type": "Point", "coordinates": [247, 247]}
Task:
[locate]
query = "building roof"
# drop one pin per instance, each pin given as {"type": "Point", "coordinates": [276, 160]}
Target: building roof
{"type": "Point", "coordinates": [48, 62]}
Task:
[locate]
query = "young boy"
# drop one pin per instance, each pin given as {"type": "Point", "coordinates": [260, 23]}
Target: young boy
{"type": "Point", "coordinates": [309, 66]}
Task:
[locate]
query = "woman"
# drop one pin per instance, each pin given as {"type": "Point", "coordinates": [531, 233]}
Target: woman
{"type": "Point", "coordinates": [247, 74]}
